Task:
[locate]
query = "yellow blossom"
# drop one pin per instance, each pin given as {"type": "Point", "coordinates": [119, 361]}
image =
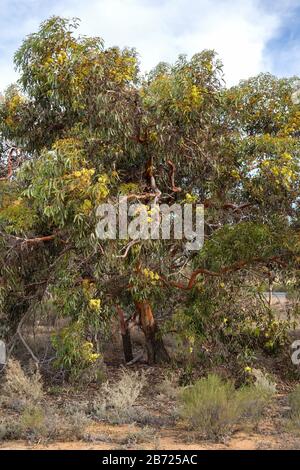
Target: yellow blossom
{"type": "Point", "coordinates": [95, 304]}
{"type": "Point", "coordinates": [190, 198]}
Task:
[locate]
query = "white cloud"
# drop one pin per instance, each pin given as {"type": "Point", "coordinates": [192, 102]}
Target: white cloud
{"type": "Point", "coordinates": [238, 30]}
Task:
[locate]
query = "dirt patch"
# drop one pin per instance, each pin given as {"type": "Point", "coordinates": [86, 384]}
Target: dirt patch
{"type": "Point", "coordinates": [168, 440]}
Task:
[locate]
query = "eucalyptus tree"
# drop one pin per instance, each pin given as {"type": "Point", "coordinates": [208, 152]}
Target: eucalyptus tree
{"type": "Point", "coordinates": [88, 128]}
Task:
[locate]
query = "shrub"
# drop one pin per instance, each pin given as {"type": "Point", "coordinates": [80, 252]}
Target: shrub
{"type": "Point", "coordinates": [67, 427]}
{"type": "Point", "coordinates": [32, 420]}
{"type": "Point", "coordinates": [125, 392]}
{"type": "Point", "coordinates": [74, 353]}
{"type": "Point", "coordinates": [30, 424]}
{"type": "Point", "coordinates": [264, 381]}
{"type": "Point", "coordinates": [19, 389]}
{"type": "Point", "coordinates": [209, 407]}
{"type": "Point", "coordinates": [25, 393]}
{"type": "Point", "coordinates": [214, 407]}
{"type": "Point", "coordinates": [252, 401]}
{"type": "Point", "coordinates": [168, 388]}
{"type": "Point", "coordinates": [10, 430]}
{"type": "Point", "coordinates": [115, 402]}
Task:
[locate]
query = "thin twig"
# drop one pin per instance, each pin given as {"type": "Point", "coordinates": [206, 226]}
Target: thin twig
{"type": "Point", "coordinates": [130, 244]}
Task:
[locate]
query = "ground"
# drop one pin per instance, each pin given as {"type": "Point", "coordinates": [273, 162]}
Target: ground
{"type": "Point", "coordinates": [161, 431]}
{"type": "Point", "coordinates": [167, 439]}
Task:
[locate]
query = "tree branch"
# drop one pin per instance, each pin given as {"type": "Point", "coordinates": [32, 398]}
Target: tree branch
{"type": "Point", "coordinates": [9, 165]}
{"type": "Point", "coordinates": [23, 340]}
{"type": "Point", "coordinates": [25, 241]}
{"type": "Point", "coordinates": [208, 203]}
{"type": "Point", "coordinates": [130, 244]}
{"type": "Point", "coordinates": [175, 189]}
{"type": "Point", "coordinates": [225, 270]}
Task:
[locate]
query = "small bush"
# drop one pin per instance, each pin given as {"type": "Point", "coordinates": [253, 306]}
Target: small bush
{"type": "Point", "coordinates": [168, 388]}
{"type": "Point", "coordinates": [10, 430]}
{"type": "Point", "coordinates": [264, 381]}
{"type": "Point", "coordinates": [209, 407]}
{"type": "Point", "coordinates": [20, 390]}
{"type": "Point", "coordinates": [115, 402]}
{"type": "Point", "coordinates": [125, 392]}
{"type": "Point", "coordinates": [213, 407]}
{"type": "Point", "coordinates": [30, 424]}
{"type": "Point", "coordinates": [32, 420]}
{"type": "Point", "coordinates": [252, 401]}
{"type": "Point", "coordinates": [67, 427]}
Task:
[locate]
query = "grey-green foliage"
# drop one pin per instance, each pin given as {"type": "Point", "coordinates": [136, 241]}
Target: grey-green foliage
{"type": "Point", "coordinates": [213, 407]}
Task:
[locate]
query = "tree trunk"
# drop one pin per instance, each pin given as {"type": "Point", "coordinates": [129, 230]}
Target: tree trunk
{"type": "Point", "coordinates": [127, 347]}
{"type": "Point", "coordinates": [125, 333]}
{"type": "Point", "coordinates": [156, 350]}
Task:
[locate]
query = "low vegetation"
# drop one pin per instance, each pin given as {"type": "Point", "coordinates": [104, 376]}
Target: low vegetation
{"type": "Point", "coordinates": [214, 408]}
{"type": "Point", "coordinates": [211, 408]}
{"type": "Point", "coordinates": [21, 390]}
{"type": "Point", "coordinates": [117, 402]}
{"type": "Point", "coordinates": [30, 416]}
{"type": "Point", "coordinates": [294, 402]}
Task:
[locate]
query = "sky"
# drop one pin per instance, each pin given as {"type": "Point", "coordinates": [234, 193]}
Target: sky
{"type": "Point", "coordinates": [250, 36]}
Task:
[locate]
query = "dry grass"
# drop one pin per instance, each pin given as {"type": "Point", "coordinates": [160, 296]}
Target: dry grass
{"type": "Point", "coordinates": [168, 388]}
{"type": "Point", "coordinates": [37, 424]}
{"type": "Point", "coordinates": [34, 421]}
{"type": "Point", "coordinates": [294, 415]}
{"type": "Point", "coordinates": [20, 390]}
{"type": "Point", "coordinates": [264, 381]}
{"type": "Point", "coordinates": [139, 436]}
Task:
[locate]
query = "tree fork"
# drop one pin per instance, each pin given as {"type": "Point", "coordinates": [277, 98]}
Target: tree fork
{"type": "Point", "coordinates": [156, 350]}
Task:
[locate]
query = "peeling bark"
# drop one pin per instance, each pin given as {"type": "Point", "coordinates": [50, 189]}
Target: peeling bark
{"type": "Point", "coordinates": [155, 347]}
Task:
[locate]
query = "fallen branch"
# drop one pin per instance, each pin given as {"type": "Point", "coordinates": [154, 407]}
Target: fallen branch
{"type": "Point", "coordinates": [135, 359]}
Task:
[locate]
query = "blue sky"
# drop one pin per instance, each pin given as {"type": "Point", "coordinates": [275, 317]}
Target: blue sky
{"type": "Point", "coordinates": [250, 36]}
